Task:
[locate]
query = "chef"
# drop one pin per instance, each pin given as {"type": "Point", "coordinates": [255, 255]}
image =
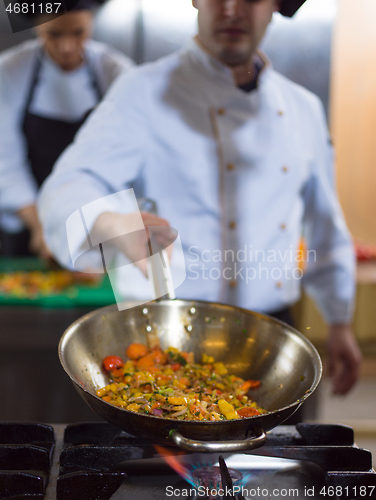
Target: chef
{"type": "Point", "coordinates": [239, 161]}
{"type": "Point", "coordinates": [48, 87]}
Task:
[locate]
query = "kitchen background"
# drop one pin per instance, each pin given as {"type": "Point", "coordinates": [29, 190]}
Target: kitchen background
{"type": "Point", "coordinates": [326, 47]}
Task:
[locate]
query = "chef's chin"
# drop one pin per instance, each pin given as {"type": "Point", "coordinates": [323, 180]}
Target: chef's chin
{"type": "Point", "coordinates": [69, 64]}
{"type": "Point", "coordinates": [232, 57]}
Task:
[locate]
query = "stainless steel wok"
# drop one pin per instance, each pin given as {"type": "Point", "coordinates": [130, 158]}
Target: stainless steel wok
{"type": "Point", "coordinates": [252, 346]}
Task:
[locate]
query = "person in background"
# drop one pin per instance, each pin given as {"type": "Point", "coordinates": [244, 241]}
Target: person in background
{"type": "Point", "coordinates": [238, 160]}
{"type": "Point", "coordinates": [48, 87]}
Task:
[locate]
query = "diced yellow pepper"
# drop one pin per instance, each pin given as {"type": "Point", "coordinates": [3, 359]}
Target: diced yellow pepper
{"type": "Point", "coordinates": [220, 368]}
{"type": "Point", "coordinates": [121, 403]}
{"type": "Point", "coordinates": [133, 407]}
{"type": "Point", "coordinates": [173, 349]}
{"type": "Point", "coordinates": [128, 367]}
{"type": "Point", "coordinates": [227, 410]}
{"type": "Point", "coordinates": [177, 401]}
{"type": "Point", "coordinates": [220, 386]}
{"type": "Point", "coordinates": [101, 392]}
{"type": "Point", "coordinates": [168, 371]}
{"type": "Point", "coordinates": [207, 359]}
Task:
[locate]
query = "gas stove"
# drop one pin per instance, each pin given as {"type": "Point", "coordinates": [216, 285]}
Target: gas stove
{"type": "Point", "coordinates": [98, 461]}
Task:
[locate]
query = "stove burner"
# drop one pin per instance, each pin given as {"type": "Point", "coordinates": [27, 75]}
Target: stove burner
{"type": "Point", "coordinates": [98, 461]}
{"type": "Point", "coordinates": [216, 480]}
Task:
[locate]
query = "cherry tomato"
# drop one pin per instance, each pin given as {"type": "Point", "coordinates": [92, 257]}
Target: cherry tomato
{"type": "Point", "coordinates": [111, 362]}
{"type": "Point", "coordinates": [248, 411]}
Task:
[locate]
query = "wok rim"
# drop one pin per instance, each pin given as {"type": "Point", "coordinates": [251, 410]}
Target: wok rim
{"type": "Point", "coordinates": [70, 331]}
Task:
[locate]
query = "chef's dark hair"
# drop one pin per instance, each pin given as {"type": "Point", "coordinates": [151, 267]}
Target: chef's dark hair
{"type": "Point", "coordinates": [31, 14]}
{"type": "Point", "coordinates": [289, 7]}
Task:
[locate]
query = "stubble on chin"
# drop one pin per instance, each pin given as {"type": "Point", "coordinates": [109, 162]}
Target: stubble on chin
{"type": "Point", "coordinates": [233, 58]}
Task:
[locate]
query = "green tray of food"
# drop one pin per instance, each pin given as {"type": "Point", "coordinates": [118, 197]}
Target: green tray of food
{"type": "Point", "coordinates": [32, 281]}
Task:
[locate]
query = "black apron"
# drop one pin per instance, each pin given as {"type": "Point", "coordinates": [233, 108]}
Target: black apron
{"type": "Point", "coordinates": [46, 139]}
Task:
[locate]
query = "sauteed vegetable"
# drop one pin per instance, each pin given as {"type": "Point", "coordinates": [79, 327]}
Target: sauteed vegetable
{"type": "Point", "coordinates": [29, 284]}
{"type": "Point", "coordinates": [170, 384]}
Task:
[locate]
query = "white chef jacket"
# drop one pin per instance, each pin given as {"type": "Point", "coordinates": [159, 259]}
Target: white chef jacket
{"type": "Point", "coordinates": [59, 94]}
{"type": "Point", "coordinates": [240, 175]}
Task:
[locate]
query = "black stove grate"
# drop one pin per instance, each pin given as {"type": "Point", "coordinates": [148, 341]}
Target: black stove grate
{"type": "Point", "coordinates": [98, 461]}
{"type": "Point", "coordinates": [25, 459]}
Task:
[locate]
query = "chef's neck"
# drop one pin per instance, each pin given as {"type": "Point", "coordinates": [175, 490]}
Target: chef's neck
{"type": "Point", "coordinates": [242, 73]}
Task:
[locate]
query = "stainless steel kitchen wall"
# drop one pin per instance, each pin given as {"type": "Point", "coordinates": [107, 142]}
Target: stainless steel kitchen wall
{"type": "Point", "coordinates": [7, 38]}
{"type": "Point", "coordinates": [299, 48]}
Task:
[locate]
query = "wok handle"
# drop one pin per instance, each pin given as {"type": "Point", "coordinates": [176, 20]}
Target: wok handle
{"type": "Point", "coordinates": [219, 446]}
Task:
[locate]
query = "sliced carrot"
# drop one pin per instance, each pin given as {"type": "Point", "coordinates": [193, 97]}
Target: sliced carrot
{"type": "Point", "coordinates": [146, 388]}
{"type": "Point", "coordinates": [249, 384]}
{"type": "Point", "coordinates": [195, 410]}
{"type": "Point", "coordinates": [136, 351]}
{"type": "Point", "coordinates": [159, 356]}
{"type": "Point", "coordinates": [145, 362]}
{"type": "Point", "coordinates": [153, 369]}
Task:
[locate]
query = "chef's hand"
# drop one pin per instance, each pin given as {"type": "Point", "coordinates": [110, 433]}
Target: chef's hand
{"type": "Point", "coordinates": [37, 244]}
{"type": "Point", "coordinates": [344, 358]}
{"type": "Point", "coordinates": [134, 245]}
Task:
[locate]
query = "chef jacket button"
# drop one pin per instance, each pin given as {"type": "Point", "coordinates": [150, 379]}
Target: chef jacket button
{"type": "Point", "coordinates": [233, 284]}
{"type": "Point", "coordinates": [283, 226]}
{"type": "Point", "coordinates": [285, 169]}
{"type": "Point", "coordinates": [230, 166]}
{"type": "Point", "coordinates": [221, 111]}
{"type": "Point", "coordinates": [232, 224]}
{"type": "Point", "coordinates": [279, 284]}
{"type": "Point", "coordinates": [280, 112]}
